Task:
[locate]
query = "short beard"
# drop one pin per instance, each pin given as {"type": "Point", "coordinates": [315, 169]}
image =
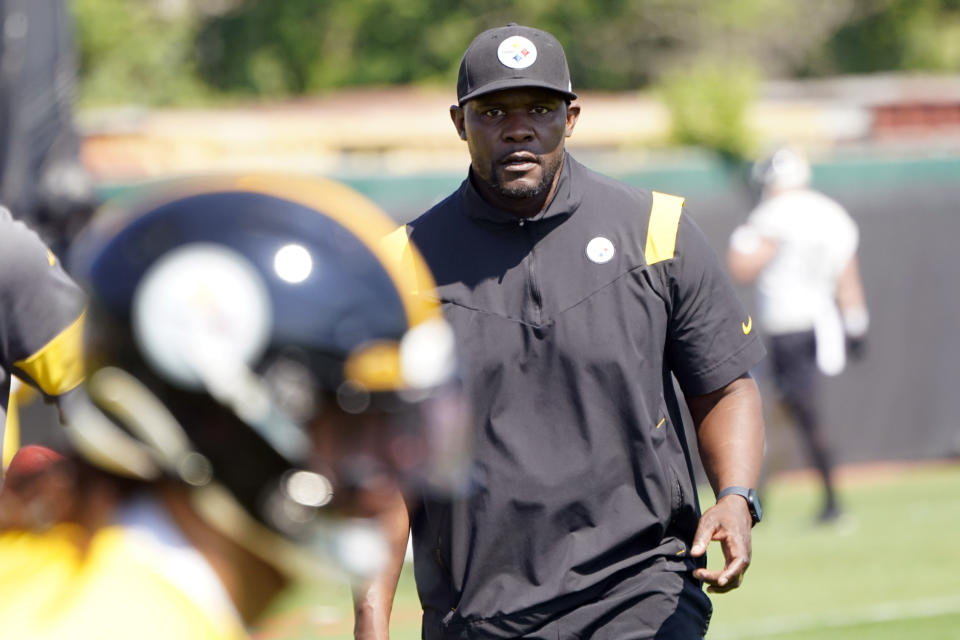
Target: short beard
{"type": "Point", "coordinates": [525, 192]}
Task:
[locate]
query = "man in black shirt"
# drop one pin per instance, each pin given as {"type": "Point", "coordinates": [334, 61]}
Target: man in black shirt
{"type": "Point", "coordinates": [575, 300]}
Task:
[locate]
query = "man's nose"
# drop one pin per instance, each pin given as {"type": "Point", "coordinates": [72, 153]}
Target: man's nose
{"type": "Point", "coordinates": [517, 128]}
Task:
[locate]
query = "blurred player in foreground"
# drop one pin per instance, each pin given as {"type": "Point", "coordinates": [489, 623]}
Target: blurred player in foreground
{"type": "Point", "coordinates": [800, 248]}
{"type": "Point", "coordinates": [41, 325]}
{"type": "Point", "coordinates": [42, 178]}
{"type": "Point", "coordinates": [262, 385]}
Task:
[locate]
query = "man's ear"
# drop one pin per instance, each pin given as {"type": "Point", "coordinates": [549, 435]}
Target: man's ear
{"type": "Point", "coordinates": [573, 112]}
{"type": "Point", "coordinates": [456, 114]}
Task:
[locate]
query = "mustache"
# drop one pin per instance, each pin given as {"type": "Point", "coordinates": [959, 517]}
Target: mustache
{"type": "Point", "coordinates": [518, 156]}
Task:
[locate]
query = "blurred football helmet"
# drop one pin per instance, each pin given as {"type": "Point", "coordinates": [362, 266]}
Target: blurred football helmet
{"type": "Point", "coordinates": [252, 338]}
{"type": "Point", "coordinates": [785, 168]}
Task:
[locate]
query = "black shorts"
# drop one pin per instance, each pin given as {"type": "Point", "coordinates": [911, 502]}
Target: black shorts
{"type": "Point", "coordinates": [793, 359]}
{"type": "Point", "coordinates": [667, 606]}
{"type": "Point", "coordinates": [655, 604]}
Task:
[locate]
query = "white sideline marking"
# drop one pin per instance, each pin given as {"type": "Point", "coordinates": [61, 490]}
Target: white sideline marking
{"type": "Point", "coordinates": [886, 612]}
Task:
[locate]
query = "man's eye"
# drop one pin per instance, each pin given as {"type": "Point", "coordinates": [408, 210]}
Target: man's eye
{"type": "Point", "coordinates": [493, 113]}
{"type": "Point", "coordinates": [540, 111]}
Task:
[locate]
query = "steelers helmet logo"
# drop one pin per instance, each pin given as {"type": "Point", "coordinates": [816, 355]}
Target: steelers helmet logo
{"type": "Point", "coordinates": [517, 52]}
{"type": "Point", "coordinates": [200, 305]}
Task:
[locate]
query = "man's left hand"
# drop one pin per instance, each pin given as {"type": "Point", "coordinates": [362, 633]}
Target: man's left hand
{"type": "Point", "coordinates": [729, 523]}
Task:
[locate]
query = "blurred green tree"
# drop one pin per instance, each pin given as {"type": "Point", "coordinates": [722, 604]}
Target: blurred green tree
{"type": "Point", "coordinates": [132, 53]}
{"type": "Point", "coordinates": [189, 51]}
{"type": "Point", "coordinates": [896, 35]}
{"type": "Point", "coordinates": [708, 106]}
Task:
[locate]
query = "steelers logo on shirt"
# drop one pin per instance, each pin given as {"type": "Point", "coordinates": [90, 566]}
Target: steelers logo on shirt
{"type": "Point", "coordinates": [600, 250]}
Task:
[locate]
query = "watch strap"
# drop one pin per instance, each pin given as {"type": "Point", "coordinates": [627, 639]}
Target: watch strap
{"type": "Point", "coordinates": [735, 490]}
{"type": "Point", "coordinates": [750, 495]}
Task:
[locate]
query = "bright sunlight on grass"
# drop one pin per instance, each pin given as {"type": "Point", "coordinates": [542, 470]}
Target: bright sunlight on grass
{"type": "Point", "coordinates": [886, 571]}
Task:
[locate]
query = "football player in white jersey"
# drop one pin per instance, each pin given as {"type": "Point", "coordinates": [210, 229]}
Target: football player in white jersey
{"type": "Point", "coordinates": [799, 248]}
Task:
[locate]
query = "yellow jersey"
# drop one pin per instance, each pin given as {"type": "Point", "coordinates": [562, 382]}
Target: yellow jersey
{"type": "Point", "coordinates": [50, 589]}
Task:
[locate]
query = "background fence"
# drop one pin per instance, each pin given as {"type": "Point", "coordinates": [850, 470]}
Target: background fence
{"type": "Point", "coordinates": [902, 401]}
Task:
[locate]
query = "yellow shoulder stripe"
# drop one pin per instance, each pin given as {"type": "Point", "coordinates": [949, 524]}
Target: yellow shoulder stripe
{"type": "Point", "coordinates": [662, 230]}
{"type": "Point", "coordinates": [397, 240]}
{"type": "Point", "coordinates": [397, 245]}
{"type": "Point", "coordinates": [58, 366]}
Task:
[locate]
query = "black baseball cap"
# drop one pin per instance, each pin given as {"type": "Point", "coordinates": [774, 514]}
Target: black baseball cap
{"type": "Point", "coordinates": [513, 56]}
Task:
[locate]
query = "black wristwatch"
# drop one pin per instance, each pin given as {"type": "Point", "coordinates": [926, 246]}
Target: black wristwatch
{"type": "Point", "coordinates": [750, 495]}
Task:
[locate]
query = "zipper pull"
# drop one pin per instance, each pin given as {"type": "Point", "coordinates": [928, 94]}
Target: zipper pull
{"type": "Point", "coordinates": [522, 222]}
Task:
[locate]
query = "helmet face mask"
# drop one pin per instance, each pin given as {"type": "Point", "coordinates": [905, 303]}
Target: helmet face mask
{"type": "Point", "coordinates": [253, 328]}
{"type": "Point", "coordinates": [421, 442]}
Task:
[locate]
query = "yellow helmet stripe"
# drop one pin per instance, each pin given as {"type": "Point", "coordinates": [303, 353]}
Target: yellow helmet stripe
{"type": "Point", "coordinates": [354, 211]}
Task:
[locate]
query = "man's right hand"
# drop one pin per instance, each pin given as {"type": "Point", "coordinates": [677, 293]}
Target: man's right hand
{"type": "Point", "coordinates": [729, 523]}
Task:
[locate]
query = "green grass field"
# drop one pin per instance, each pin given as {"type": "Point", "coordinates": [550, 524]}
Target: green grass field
{"type": "Point", "coordinates": [889, 570]}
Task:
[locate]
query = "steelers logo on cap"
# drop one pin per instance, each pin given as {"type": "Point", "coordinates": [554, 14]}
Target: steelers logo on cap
{"type": "Point", "coordinates": [517, 52]}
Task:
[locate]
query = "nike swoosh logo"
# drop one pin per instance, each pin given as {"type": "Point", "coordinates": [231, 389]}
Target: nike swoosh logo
{"type": "Point", "coordinates": [747, 326]}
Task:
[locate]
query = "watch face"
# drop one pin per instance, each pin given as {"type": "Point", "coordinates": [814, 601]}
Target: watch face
{"type": "Point", "coordinates": [755, 510]}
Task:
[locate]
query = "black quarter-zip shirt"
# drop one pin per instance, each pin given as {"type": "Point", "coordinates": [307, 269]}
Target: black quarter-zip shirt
{"type": "Point", "coordinates": [569, 325]}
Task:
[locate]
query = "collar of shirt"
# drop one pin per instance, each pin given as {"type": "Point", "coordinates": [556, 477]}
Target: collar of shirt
{"type": "Point", "coordinates": [565, 201]}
